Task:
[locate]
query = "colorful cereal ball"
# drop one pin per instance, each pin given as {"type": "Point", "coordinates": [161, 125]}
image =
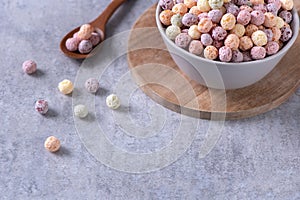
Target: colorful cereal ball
{"type": "Point", "coordinates": [228, 21]}
{"type": "Point", "coordinates": [176, 20]}
{"type": "Point", "coordinates": [276, 33]}
{"type": "Point", "coordinates": [29, 66]}
{"type": "Point", "coordinates": [238, 30]}
{"type": "Point", "coordinates": [190, 3]}
{"type": "Point", "coordinates": [286, 34]}
{"type": "Point", "coordinates": [205, 25]}
{"type": "Point", "coordinates": [172, 32]}
{"type": "Point", "coordinates": [189, 19]}
{"type": "Point", "coordinates": [85, 32]}
{"type": "Point", "coordinates": [166, 4]}
{"type": "Point", "coordinates": [257, 2]}
{"type": "Point", "coordinates": [180, 8]}
{"type": "Point", "coordinates": [196, 47]}
{"type": "Point", "coordinates": [165, 17]}
{"type": "Point", "coordinates": [194, 32]}
{"type": "Point", "coordinates": [211, 52]}
{"type": "Point", "coordinates": [272, 48]}
{"type": "Point", "coordinates": [250, 29]}
{"type": "Point", "coordinates": [258, 53]}
{"type": "Point", "coordinates": [259, 38]}
{"type": "Point", "coordinates": [215, 4]}
{"type": "Point", "coordinates": [245, 43]}
{"type": "Point", "coordinates": [52, 144]}
{"type": "Point", "coordinates": [195, 10]}
{"type": "Point", "coordinates": [287, 4]}
{"type": "Point", "coordinates": [232, 41]}
{"type": "Point", "coordinates": [225, 54]}
{"type": "Point", "coordinates": [203, 5]}
{"type": "Point", "coordinates": [41, 106]}
{"type": "Point", "coordinates": [270, 20]}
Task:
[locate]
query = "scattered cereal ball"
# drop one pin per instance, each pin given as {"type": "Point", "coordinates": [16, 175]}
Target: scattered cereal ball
{"type": "Point", "coordinates": [246, 56]}
{"type": "Point", "coordinates": [203, 5]}
{"type": "Point", "coordinates": [195, 10]}
{"type": "Point", "coordinates": [246, 7]}
{"type": "Point", "coordinates": [279, 22]}
{"type": "Point", "coordinates": [190, 3]}
{"type": "Point", "coordinates": [287, 4]}
{"type": "Point", "coordinates": [238, 30]}
{"type": "Point", "coordinates": [72, 44]}
{"type": "Point", "coordinates": [257, 17]}
{"type": "Point", "coordinates": [112, 101]}
{"type": "Point", "coordinates": [245, 43]}
{"type": "Point", "coordinates": [228, 21]}
{"type": "Point", "coordinates": [80, 111]}
{"type": "Point", "coordinates": [276, 33]}
{"type": "Point", "coordinates": [269, 34]}
{"type": "Point", "coordinates": [237, 56]}
{"type": "Point", "coordinates": [233, 9]}
{"type": "Point", "coordinates": [272, 48]}
{"type": "Point", "coordinates": [225, 54]}
{"type": "Point", "coordinates": [286, 16]}
{"type": "Point", "coordinates": [258, 53]}
{"type": "Point", "coordinates": [166, 4]}
{"type": "Point", "coordinates": [260, 7]}
{"type": "Point", "coordinates": [270, 20]}
{"type": "Point", "coordinates": [29, 66]}
{"type": "Point", "coordinates": [85, 32]}
{"type": "Point", "coordinates": [194, 32]}
{"type": "Point", "coordinates": [259, 38]}
{"type": "Point", "coordinates": [85, 46]}
{"type": "Point", "coordinates": [176, 20]}
{"type": "Point", "coordinates": [206, 39]}
{"type": "Point", "coordinates": [215, 4]}
{"type": "Point", "coordinates": [189, 19]}
{"type": "Point", "coordinates": [165, 17]}
{"type": "Point", "coordinates": [95, 39]}
{"type": "Point", "coordinates": [218, 33]}
{"type": "Point", "coordinates": [205, 25]}
{"type": "Point", "coordinates": [286, 34]}
{"type": "Point", "coordinates": [196, 47]}
{"type": "Point", "coordinates": [211, 52]}
{"type": "Point", "coordinates": [218, 44]}
{"type": "Point", "coordinates": [41, 106]}
{"type": "Point", "coordinates": [180, 8]}
{"type": "Point", "coordinates": [256, 2]}
{"type": "Point", "coordinates": [244, 17]}
{"type": "Point", "coordinates": [92, 85]}
{"type": "Point", "coordinates": [250, 29]}
{"type": "Point", "coordinates": [232, 41]}
{"type": "Point", "coordinates": [52, 144]}
{"type": "Point", "coordinates": [215, 15]}
{"type": "Point", "coordinates": [66, 87]}
{"type": "Point", "coordinates": [172, 32]}
{"type": "Point", "coordinates": [183, 40]}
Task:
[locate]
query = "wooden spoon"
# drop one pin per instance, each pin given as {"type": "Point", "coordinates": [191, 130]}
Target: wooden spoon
{"type": "Point", "coordinates": [99, 24]}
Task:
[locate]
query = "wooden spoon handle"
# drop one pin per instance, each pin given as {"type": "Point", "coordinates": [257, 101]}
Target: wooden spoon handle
{"type": "Point", "coordinates": [101, 20]}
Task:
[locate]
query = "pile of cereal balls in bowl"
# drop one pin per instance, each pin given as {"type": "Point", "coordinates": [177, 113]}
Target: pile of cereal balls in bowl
{"type": "Point", "coordinates": [84, 40]}
{"type": "Point", "coordinates": [228, 30]}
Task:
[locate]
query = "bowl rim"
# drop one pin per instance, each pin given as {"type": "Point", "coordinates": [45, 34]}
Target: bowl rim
{"type": "Point", "coordinates": [184, 52]}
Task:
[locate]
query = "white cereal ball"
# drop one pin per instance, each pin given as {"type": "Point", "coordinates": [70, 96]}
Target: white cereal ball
{"type": "Point", "coordinates": [112, 101]}
{"type": "Point", "coordinates": [81, 111]}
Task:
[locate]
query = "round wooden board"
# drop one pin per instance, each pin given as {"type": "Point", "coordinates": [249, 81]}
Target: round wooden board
{"type": "Point", "coordinates": [253, 100]}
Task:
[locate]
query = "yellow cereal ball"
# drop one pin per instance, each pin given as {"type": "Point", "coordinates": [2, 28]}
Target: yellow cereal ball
{"type": "Point", "coordinates": [232, 41]}
{"type": "Point", "coordinates": [180, 8]}
{"type": "Point", "coordinates": [259, 38]}
{"type": "Point", "coordinates": [276, 34]}
{"type": "Point", "coordinates": [205, 25]}
{"type": "Point", "coordinates": [270, 20]}
{"type": "Point", "coordinates": [287, 4]}
{"type": "Point", "coordinates": [165, 17]}
{"type": "Point", "coordinates": [66, 87]}
{"type": "Point", "coordinates": [211, 52]}
{"type": "Point", "coordinates": [238, 30]}
{"type": "Point", "coordinates": [245, 43]}
{"type": "Point", "coordinates": [195, 10]}
{"type": "Point", "coordinates": [251, 28]}
{"type": "Point", "coordinates": [256, 2]}
{"type": "Point", "coordinates": [203, 5]}
{"type": "Point", "coordinates": [194, 32]}
{"type": "Point", "coordinates": [190, 3]}
{"type": "Point", "coordinates": [228, 21]}
{"type": "Point", "coordinates": [279, 22]}
{"type": "Point", "coordinates": [52, 144]}
{"type": "Point", "coordinates": [85, 32]}
{"type": "Point", "coordinates": [215, 4]}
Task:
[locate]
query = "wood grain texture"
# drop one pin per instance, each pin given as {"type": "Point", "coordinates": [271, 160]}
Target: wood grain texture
{"type": "Point", "coordinates": [161, 79]}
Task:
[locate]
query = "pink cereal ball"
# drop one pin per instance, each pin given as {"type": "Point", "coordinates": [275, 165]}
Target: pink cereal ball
{"type": "Point", "coordinates": [85, 46]}
{"type": "Point", "coordinates": [286, 34]}
{"type": "Point", "coordinates": [272, 48]}
{"type": "Point", "coordinates": [196, 47]}
{"type": "Point", "coordinates": [232, 41]}
{"type": "Point", "coordinates": [225, 54]}
{"type": "Point", "coordinates": [203, 15]}
{"type": "Point", "coordinates": [286, 16]}
{"type": "Point", "coordinates": [237, 56]}
{"type": "Point", "coordinates": [29, 66]}
{"type": "Point", "coordinates": [183, 40]}
{"type": "Point", "coordinates": [270, 20]}
{"type": "Point", "coordinates": [246, 56]}
{"type": "Point", "coordinates": [166, 4]}
{"type": "Point", "coordinates": [256, 2]}
{"type": "Point", "coordinates": [260, 7]}
{"type": "Point", "coordinates": [215, 15]}
{"type": "Point", "coordinates": [232, 9]}
{"type": "Point", "coordinates": [211, 52]}
{"type": "Point", "coordinates": [244, 17]}
{"type": "Point", "coordinates": [95, 39]}
{"type": "Point", "coordinates": [246, 7]}
{"type": "Point", "coordinates": [245, 43]}
{"type": "Point", "coordinates": [205, 25]}
{"type": "Point", "coordinates": [258, 53]}
{"type": "Point", "coordinates": [218, 33]}
{"type": "Point", "coordinates": [41, 106]}
{"type": "Point", "coordinates": [257, 17]}
{"type": "Point", "coordinates": [206, 39]}
{"type": "Point", "coordinates": [72, 44]}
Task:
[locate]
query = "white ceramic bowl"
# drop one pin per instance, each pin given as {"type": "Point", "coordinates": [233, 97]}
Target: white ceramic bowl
{"type": "Point", "coordinates": [220, 75]}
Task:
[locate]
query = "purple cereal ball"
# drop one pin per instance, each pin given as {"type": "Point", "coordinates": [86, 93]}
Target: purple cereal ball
{"type": "Point", "coordinates": [72, 44]}
{"type": "Point", "coordinates": [196, 47]}
{"type": "Point", "coordinates": [286, 34]}
{"type": "Point", "coordinates": [286, 16]}
{"type": "Point", "coordinates": [257, 17]}
{"type": "Point", "coordinates": [225, 54]}
{"type": "Point", "coordinates": [166, 4]}
{"type": "Point", "coordinates": [189, 19]}
{"type": "Point", "coordinates": [246, 56]}
{"type": "Point", "coordinates": [203, 15]}
{"type": "Point", "coordinates": [183, 40]}
{"type": "Point", "coordinates": [233, 9]}
{"type": "Point", "coordinates": [269, 34]}
{"type": "Point", "coordinates": [95, 39]}
{"type": "Point", "coordinates": [218, 44]}
{"type": "Point", "coordinates": [215, 15]}
{"type": "Point", "coordinates": [260, 7]}
{"type": "Point", "coordinates": [276, 2]}
{"type": "Point", "coordinates": [85, 46]}
{"type": "Point", "coordinates": [272, 48]}
{"type": "Point", "coordinates": [29, 66]}
{"type": "Point", "coordinates": [206, 39]}
{"type": "Point", "coordinates": [272, 8]}
{"type": "Point", "coordinates": [41, 106]}
{"type": "Point", "coordinates": [92, 85]}
{"type": "Point", "coordinates": [244, 17]}
{"type": "Point", "coordinates": [237, 56]}
{"type": "Point", "coordinates": [258, 53]}
{"type": "Point", "coordinates": [218, 33]}
{"type": "Point", "coordinates": [240, 2]}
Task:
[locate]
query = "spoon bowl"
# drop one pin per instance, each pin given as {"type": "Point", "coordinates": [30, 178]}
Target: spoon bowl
{"type": "Point", "coordinates": [99, 25]}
